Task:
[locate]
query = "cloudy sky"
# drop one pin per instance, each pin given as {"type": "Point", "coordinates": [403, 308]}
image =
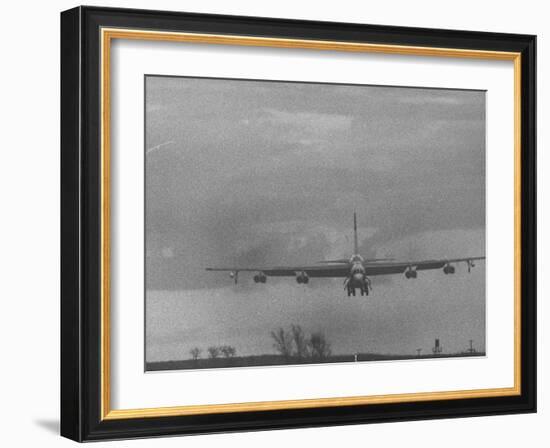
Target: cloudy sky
{"type": "Point", "coordinates": [258, 173]}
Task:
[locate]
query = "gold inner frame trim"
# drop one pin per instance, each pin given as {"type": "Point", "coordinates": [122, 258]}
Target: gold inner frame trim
{"type": "Point", "coordinates": [107, 35]}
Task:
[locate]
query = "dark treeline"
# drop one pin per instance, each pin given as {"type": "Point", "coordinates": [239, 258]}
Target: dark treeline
{"type": "Point", "coordinates": [292, 346]}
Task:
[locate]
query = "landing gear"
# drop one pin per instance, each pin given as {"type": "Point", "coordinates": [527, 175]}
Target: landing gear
{"type": "Point", "coordinates": [352, 289]}
{"type": "Point", "coordinates": [349, 289]}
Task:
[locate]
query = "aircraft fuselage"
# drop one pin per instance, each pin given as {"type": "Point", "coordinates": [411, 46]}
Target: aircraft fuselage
{"type": "Point", "coordinates": [357, 278]}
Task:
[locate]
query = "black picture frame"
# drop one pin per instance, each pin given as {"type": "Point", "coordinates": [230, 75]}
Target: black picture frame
{"type": "Point", "coordinates": [81, 381]}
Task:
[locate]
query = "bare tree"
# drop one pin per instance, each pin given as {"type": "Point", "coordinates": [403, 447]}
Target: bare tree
{"type": "Point", "coordinates": [228, 351]}
{"type": "Point", "coordinates": [195, 353]}
{"type": "Point", "coordinates": [319, 346]}
{"type": "Point", "coordinates": [213, 352]}
{"type": "Point", "coordinates": [283, 342]}
{"type": "Point", "coordinates": [300, 342]}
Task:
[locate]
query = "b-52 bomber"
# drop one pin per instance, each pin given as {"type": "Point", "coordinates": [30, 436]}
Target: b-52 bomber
{"type": "Point", "coordinates": [355, 270]}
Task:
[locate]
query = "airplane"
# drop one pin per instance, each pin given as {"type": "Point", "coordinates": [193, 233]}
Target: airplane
{"type": "Point", "coordinates": [356, 270]}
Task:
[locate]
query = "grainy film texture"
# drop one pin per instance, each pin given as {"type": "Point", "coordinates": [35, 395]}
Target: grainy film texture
{"type": "Point", "coordinates": [295, 223]}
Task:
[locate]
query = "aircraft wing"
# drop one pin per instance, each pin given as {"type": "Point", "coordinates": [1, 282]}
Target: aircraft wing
{"type": "Point", "coordinates": [326, 270]}
{"type": "Point", "coordinates": [399, 267]}
{"type": "Point", "coordinates": [340, 269]}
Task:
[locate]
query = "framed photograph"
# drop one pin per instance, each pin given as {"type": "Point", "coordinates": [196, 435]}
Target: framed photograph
{"type": "Point", "coordinates": [272, 223]}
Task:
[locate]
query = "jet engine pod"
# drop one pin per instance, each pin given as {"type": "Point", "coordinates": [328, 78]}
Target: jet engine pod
{"type": "Point", "coordinates": [301, 277]}
{"type": "Point", "coordinates": [411, 273]}
{"type": "Point", "coordinates": [448, 269]}
{"type": "Point", "coordinates": [260, 277]}
{"type": "Point", "coordinates": [234, 275]}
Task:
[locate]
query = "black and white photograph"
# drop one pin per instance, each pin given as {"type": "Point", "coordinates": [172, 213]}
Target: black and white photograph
{"type": "Point", "coordinates": [296, 223]}
{"type": "Point", "coordinates": [297, 220]}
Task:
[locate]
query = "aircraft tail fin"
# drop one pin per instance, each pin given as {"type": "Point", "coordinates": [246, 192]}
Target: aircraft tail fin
{"type": "Point", "coordinates": [355, 244]}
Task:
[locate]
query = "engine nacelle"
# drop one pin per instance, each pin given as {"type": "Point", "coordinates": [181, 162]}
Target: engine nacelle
{"type": "Point", "coordinates": [448, 269]}
{"type": "Point", "coordinates": [260, 277]}
{"type": "Point", "coordinates": [411, 273]}
{"type": "Point", "coordinates": [234, 275]}
{"type": "Point", "coordinates": [301, 277]}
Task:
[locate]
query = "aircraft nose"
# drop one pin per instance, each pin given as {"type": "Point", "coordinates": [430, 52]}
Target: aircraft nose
{"type": "Point", "coordinates": [358, 277]}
